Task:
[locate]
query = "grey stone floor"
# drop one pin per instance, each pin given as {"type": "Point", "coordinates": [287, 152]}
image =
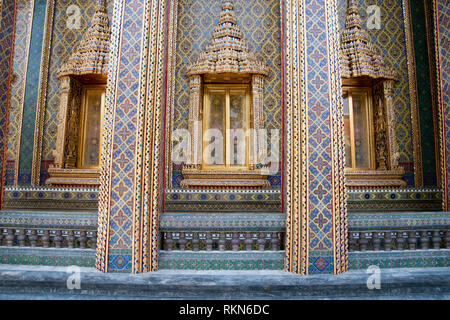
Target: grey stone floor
{"type": "Point", "coordinates": [42, 282]}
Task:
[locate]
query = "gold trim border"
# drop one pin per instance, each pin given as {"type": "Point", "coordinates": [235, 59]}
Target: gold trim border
{"type": "Point", "coordinates": [104, 196]}
{"type": "Point", "coordinates": [296, 136]}
{"type": "Point", "coordinates": [170, 98]}
{"type": "Point", "coordinates": [441, 115]}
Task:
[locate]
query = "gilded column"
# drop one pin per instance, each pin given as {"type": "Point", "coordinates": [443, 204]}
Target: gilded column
{"type": "Point", "coordinates": [442, 39]}
{"type": "Point", "coordinates": [132, 138]}
{"type": "Point", "coordinates": [315, 197]}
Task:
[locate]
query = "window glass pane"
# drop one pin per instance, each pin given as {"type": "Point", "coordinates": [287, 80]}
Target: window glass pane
{"type": "Point", "coordinates": [347, 132]}
{"type": "Point", "coordinates": [237, 126]}
{"type": "Point", "coordinates": [216, 122]}
{"type": "Point", "coordinates": [361, 130]}
{"type": "Point", "coordinates": [92, 127]}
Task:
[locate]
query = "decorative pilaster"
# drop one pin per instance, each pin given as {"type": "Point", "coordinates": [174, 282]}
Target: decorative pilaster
{"type": "Point", "coordinates": [258, 119]}
{"type": "Point", "coordinates": [315, 198]}
{"type": "Point", "coordinates": [388, 93]}
{"type": "Point", "coordinates": [64, 98]}
{"type": "Point", "coordinates": [442, 40]}
{"type": "Point", "coordinates": [195, 121]}
{"type": "Point", "coordinates": [131, 143]}
{"type": "Point", "coordinates": [7, 20]}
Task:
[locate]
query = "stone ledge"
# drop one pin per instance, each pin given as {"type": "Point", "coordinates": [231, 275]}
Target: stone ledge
{"type": "Point", "coordinates": [51, 282]}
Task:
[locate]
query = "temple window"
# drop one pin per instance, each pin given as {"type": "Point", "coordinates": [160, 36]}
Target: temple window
{"type": "Point", "coordinates": [226, 85]}
{"type": "Point", "coordinates": [82, 82]}
{"type": "Point", "coordinates": [227, 113]}
{"type": "Point", "coordinates": [93, 101]}
{"type": "Point", "coordinates": [369, 122]}
{"type": "Point", "coordinates": [359, 144]}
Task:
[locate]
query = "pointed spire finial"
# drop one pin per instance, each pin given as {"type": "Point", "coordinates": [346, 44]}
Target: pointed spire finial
{"type": "Point", "coordinates": [352, 4]}
{"type": "Point", "coordinates": [100, 5]}
{"type": "Point", "coordinates": [228, 51]}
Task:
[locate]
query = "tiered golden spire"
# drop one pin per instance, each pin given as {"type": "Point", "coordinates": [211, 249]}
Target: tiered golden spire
{"type": "Point", "coordinates": [228, 51]}
{"type": "Point", "coordinates": [359, 57]}
{"type": "Point", "coordinates": [91, 54]}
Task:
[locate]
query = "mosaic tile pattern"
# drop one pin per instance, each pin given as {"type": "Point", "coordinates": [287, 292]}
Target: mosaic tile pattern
{"type": "Point", "coordinates": [390, 42]}
{"type": "Point", "coordinates": [399, 259]}
{"type": "Point", "coordinates": [125, 118]}
{"type": "Point", "coordinates": [322, 75]}
{"type": "Point", "coordinates": [50, 198]}
{"type": "Point", "coordinates": [48, 257]}
{"type": "Point", "coordinates": [222, 221]}
{"type": "Point", "coordinates": [129, 193]}
{"type": "Point", "coordinates": [45, 219]}
{"type": "Point", "coordinates": [314, 161]}
{"type": "Point", "coordinates": [398, 221]}
{"type": "Point", "coordinates": [221, 260]}
{"type": "Point", "coordinates": [357, 260]}
{"type": "Point", "coordinates": [6, 43]}
{"type": "Point", "coordinates": [395, 200]}
{"type": "Point", "coordinates": [31, 92]}
{"type": "Point", "coordinates": [21, 49]}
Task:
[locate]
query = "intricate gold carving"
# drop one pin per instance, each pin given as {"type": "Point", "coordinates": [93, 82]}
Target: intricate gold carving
{"type": "Point", "coordinates": [359, 57]}
{"type": "Point", "coordinates": [228, 51]}
{"type": "Point", "coordinates": [361, 179]}
{"type": "Point", "coordinates": [224, 179]}
{"type": "Point", "coordinates": [91, 55]}
{"type": "Point", "coordinates": [73, 177]}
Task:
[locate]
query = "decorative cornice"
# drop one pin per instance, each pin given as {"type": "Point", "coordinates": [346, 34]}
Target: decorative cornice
{"type": "Point", "coordinates": [228, 51]}
{"type": "Point", "coordinates": [359, 58]}
{"type": "Point", "coordinates": [91, 55]}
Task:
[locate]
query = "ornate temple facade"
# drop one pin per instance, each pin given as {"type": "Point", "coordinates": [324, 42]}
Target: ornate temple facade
{"type": "Point", "coordinates": [305, 136]}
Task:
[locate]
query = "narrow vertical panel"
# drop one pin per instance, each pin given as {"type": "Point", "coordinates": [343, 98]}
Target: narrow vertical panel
{"type": "Point", "coordinates": [442, 36]}
{"type": "Point", "coordinates": [23, 23]}
{"type": "Point", "coordinates": [314, 163]}
{"type": "Point", "coordinates": [425, 105]}
{"type": "Point", "coordinates": [7, 16]}
{"type": "Point", "coordinates": [31, 93]}
{"type": "Point", "coordinates": [129, 190]}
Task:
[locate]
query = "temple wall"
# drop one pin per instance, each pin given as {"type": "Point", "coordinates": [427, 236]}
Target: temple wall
{"type": "Point", "coordinates": [195, 23]}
